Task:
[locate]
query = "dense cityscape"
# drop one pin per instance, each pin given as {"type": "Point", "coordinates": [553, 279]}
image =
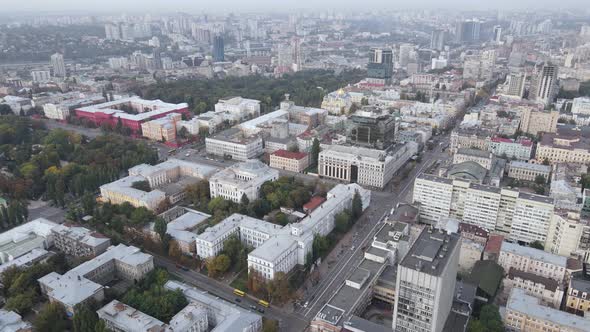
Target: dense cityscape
{"type": "Point", "coordinates": [333, 170]}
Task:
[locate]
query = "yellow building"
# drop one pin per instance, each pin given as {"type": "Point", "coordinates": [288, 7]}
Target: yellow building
{"type": "Point", "coordinates": [163, 129]}
{"type": "Point", "coordinates": [565, 146]}
{"type": "Point", "coordinates": [578, 293]}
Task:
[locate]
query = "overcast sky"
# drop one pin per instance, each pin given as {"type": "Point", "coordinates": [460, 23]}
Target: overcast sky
{"type": "Point", "coordinates": [276, 5]}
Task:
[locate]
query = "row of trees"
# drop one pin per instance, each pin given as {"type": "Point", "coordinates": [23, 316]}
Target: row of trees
{"type": "Point", "coordinates": [234, 255]}
{"type": "Point", "coordinates": [307, 88]}
{"type": "Point", "coordinates": [13, 214]}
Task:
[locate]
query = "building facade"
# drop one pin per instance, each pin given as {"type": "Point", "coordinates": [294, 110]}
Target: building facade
{"type": "Point", "coordinates": [528, 172]}
{"type": "Point", "coordinates": [241, 179]}
{"type": "Point", "coordinates": [291, 161]}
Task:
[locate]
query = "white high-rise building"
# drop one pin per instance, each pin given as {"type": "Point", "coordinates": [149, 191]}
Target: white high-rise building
{"type": "Point", "coordinates": [41, 76]}
{"type": "Point", "coordinates": [425, 284]}
{"type": "Point", "coordinates": [516, 84]}
{"type": "Point", "coordinates": [58, 64]}
{"type": "Point", "coordinates": [544, 88]}
{"type": "Point", "coordinates": [112, 31]}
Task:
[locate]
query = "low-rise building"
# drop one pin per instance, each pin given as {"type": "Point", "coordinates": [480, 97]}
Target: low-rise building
{"type": "Point", "coordinates": [240, 108]}
{"type": "Point", "coordinates": [79, 241]}
{"type": "Point", "coordinates": [182, 226]}
{"type": "Point", "coordinates": [567, 146]}
{"type": "Point", "coordinates": [470, 253]}
{"type": "Point", "coordinates": [162, 129]}
{"type": "Point", "coordinates": [368, 167]}
{"type": "Point", "coordinates": [521, 170]}
{"type": "Point", "coordinates": [521, 148]}
{"type": "Point", "coordinates": [483, 158]}
{"type": "Point", "coordinates": [26, 260]}
{"type": "Point", "coordinates": [549, 291]}
{"type": "Point", "coordinates": [233, 143]}
{"type": "Point", "coordinates": [85, 281]}
{"type": "Point", "coordinates": [10, 321]}
{"type": "Point", "coordinates": [166, 180]}
{"type": "Point", "coordinates": [241, 179]}
{"type": "Point", "coordinates": [291, 161]}
{"type": "Point", "coordinates": [525, 313]}
{"type": "Point", "coordinates": [533, 261]}
{"type": "Point", "coordinates": [578, 292]}
{"type": "Point", "coordinates": [22, 239]}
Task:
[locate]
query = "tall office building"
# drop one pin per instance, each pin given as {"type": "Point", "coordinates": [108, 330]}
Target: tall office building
{"type": "Point", "coordinates": [425, 284]}
{"type": "Point", "coordinates": [544, 85]}
{"type": "Point", "coordinates": [516, 83]}
{"type": "Point", "coordinates": [372, 128]}
{"type": "Point", "coordinates": [218, 49]}
{"type": "Point", "coordinates": [157, 58]}
{"type": "Point", "coordinates": [467, 31]}
{"type": "Point", "coordinates": [497, 34]}
{"type": "Point", "coordinates": [58, 65]}
{"type": "Point", "coordinates": [438, 39]}
{"type": "Point", "coordinates": [405, 54]}
{"type": "Point", "coordinates": [112, 31]}
{"type": "Point", "coordinates": [380, 66]}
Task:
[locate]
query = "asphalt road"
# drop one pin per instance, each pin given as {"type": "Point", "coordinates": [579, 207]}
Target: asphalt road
{"type": "Point", "coordinates": [380, 207]}
{"type": "Point", "coordinates": [288, 322]}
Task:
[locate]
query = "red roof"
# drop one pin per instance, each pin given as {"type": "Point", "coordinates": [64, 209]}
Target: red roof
{"type": "Point", "coordinates": [494, 243]}
{"type": "Point", "coordinates": [289, 154]}
{"type": "Point", "coordinates": [473, 229]}
{"type": "Point", "coordinates": [313, 203]}
{"type": "Point", "coordinates": [502, 139]}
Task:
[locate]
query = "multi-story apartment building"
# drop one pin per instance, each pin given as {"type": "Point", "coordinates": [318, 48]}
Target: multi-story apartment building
{"type": "Point", "coordinates": [534, 121]}
{"type": "Point", "coordinates": [471, 138]}
{"type": "Point", "coordinates": [517, 215]}
{"type": "Point", "coordinates": [568, 234]}
{"type": "Point", "coordinates": [85, 281]}
{"type": "Point", "coordinates": [368, 167]}
{"type": "Point", "coordinates": [79, 241]}
{"type": "Point", "coordinates": [166, 180]}
{"type": "Point", "coordinates": [232, 143]}
{"type": "Point", "coordinates": [568, 146]}
{"type": "Point", "coordinates": [544, 84]}
{"type": "Point", "coordinates": [291, 161]}
{"type": "Point", "coordinates": [531, 260]}
{"type": "Point", "coordinates": [581, 106]}
{"type": "Point", "coordinates": [549, 291]}
{"type": "Point", "coordinates": [162, 129]}
{"type": "Point", "coordinates": [426, 282]}
{"type": "Point", "coordinates": [483, 158]}
{"type": "Point", "coordinates": [528, 171]}
{"type": "Point", "coordinates": [241, 179]}
{"type": "Point", "coordinates": [524, 313]}
{"type": "Point", "coordinates": [578, 292]}
{"type": "Point", "coordinates": [41, 76]}
{"type": "Point", "coordinates": [521, 149]}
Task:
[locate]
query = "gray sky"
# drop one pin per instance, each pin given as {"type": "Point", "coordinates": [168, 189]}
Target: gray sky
{"type": "Point", "coordinates": [276, 5]}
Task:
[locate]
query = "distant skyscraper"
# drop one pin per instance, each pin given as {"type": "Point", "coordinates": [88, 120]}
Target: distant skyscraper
{"type": "Point", "coordinates": [380, 66]}
{"type": "Point", "coordinates": [467, 31]}
{"type": "Point", "coordinates": [497, 36]}
{"type": "Point", "coordinates": [218, 49]}
{"type": "Point", "coordinates": [157, 58]}
{"type": "Point", "coordinates": [438, 39]}
{"type": "Point", "coordinates": [112, 31]}
{"type": "Point", "coordinates": [58, 65]}
{"type": "Point", "coordinates": [405, 51]}
{"type": "Point", "coordinates": [425, 284]}
{"type": "Point", "coordinates": [545, 84]}
{"type": "Point", "coordinates": [516, 83]}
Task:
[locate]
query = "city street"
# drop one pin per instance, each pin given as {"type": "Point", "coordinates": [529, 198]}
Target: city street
{"type": "Point", "coordinates": [287, 321]}
{"type": "Point", "coordinates": [381, 205]}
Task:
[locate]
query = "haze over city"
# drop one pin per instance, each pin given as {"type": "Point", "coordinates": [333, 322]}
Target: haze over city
{"type": "Point", "coordinates": [298, 166]}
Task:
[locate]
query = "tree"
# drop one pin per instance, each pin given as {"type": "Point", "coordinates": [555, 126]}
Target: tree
{"type": "Point", "coordinates": [357, 206]}
{"type": "Point", "coordinates": [540, 179]}
{"type": "Point", "coordinates": [217, 265]}
{"type": "Point", "coordinates": [21, 303]}
{"type": "Point", "coordinates": [278, 288]}
{"type": "Point", "coordinates": [51, 318]}
{"type": "Point", "coordinates": [5, 109]}
{"type": "Point", "coordinates": [269, 325]}
{"type": "Point", "coordinates": [546, 162]}
{"type": "Point", "coordinates": [364, 101]}
{"type": "Point", "coordinates": [353, 108]}
{"type": "Point", "coordinates": [141, 185]}
{"type": "Point", "coordinates": [85, 319]}
{"type": "Point", "coordinates": [88, 203]}
{"type": "Point", "coordinates": [537, 245]}
{"type": "Point", "coordinates": [342, 222]}
{"type": "Point", "coordinates": [281, 219]}
{"type": "Point", "coordinates": [160, 227]}
{"type": "Point", "coordinates": [315, 152]}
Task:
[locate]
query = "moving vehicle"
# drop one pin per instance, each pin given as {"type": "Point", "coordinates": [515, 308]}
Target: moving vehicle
{"type": "Point", "coordinates": [264, 303]}
{"type": "Point", "coordinates": [239, 292]}
{"type": "Point", "coordinates": [237, 299]}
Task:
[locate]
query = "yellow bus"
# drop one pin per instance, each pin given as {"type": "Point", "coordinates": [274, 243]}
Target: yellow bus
{"type": "Point", "coordinates": [239, 292]}
{"type": "Point", "coordinates": [263, 303]}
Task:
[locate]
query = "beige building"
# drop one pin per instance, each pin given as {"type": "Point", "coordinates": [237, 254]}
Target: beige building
{"type": "Point", "coordinates": [291, 161]}
{"type": "Point", "coordinates": [470, 253]}
{"type": "Point", "coordinates": [162, 129]}
{"type": "Point", "coordinates": [566, 232]}
{"type": "Point", "coordinates": [527, 171]}
{"type": "Point", "coordinates": [567, 146]}
{"type": "Point", "coordinates": [535, 121]}
{"type": "Point", "coordinates": [532, 260]}
{"type": "Point", "coordinates": [547, 290]}
{"type": "Point", "coordinates": [524, 313]}
{"type": "Point", "coordinates": [578, 293]}
{"type": "Point", "coordinates": [483, 158]}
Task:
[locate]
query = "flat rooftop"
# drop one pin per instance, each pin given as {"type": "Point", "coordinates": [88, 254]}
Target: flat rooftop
{"type": "Point", "coordinates": [431, 251]}
{"type": "Point", "coordinates": [536, 254]}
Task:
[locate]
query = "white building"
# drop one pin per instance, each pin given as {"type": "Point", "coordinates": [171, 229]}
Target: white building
{"type": "Point", "coordinates": [525, 313]}
{"type": "Point", "coordinates": [10, 321]}
{"type": "Point", "coordinates": [425, 285]}
{"type": "Point", "coordinates": [527, 171]}
{"type": "Point", "coordinates": [581, 106]}
{"type": "Point", "coordinates": [41, 76]}
{"type": "Point", "coordinates": [85, 281]}
{"type": "Point", "coordinates": [532, 260]}
{"type": "Point", "coordinates": [79, 241]}
{"type": "Point", "coordinates": [520, 149]}
{"type": "Point", "coordinates": [279, 249]}
{"type": "Point", "coordinates": [241, 179]}
{"type": "Point", "coordinates": [370, 167]}
{"type": "Point", "coordinates": [166, 180]}
{"type": "Point", "coordinates": [56, 112]}
{"type": "Point", "coordinates": [22, 239]}
{"type": "Point", "coordinates": [222, 316]}
{"type": "Point", "coordinates": [26, 260]}
{"type": "Point", "coordinates": [517, 215]}
{"type": "Point", "coordinates": [547, 290]}
{"type": "Point", "coordinates": [119, 63]}
{"type": "Point", "coordinates": [233, 143]}
{"type": "Point", "coordinates": [240, 108]}
{"type": "Point", "coordinates": [58, 65]}
{"type": "Point", "coordinates": [182, 225]}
